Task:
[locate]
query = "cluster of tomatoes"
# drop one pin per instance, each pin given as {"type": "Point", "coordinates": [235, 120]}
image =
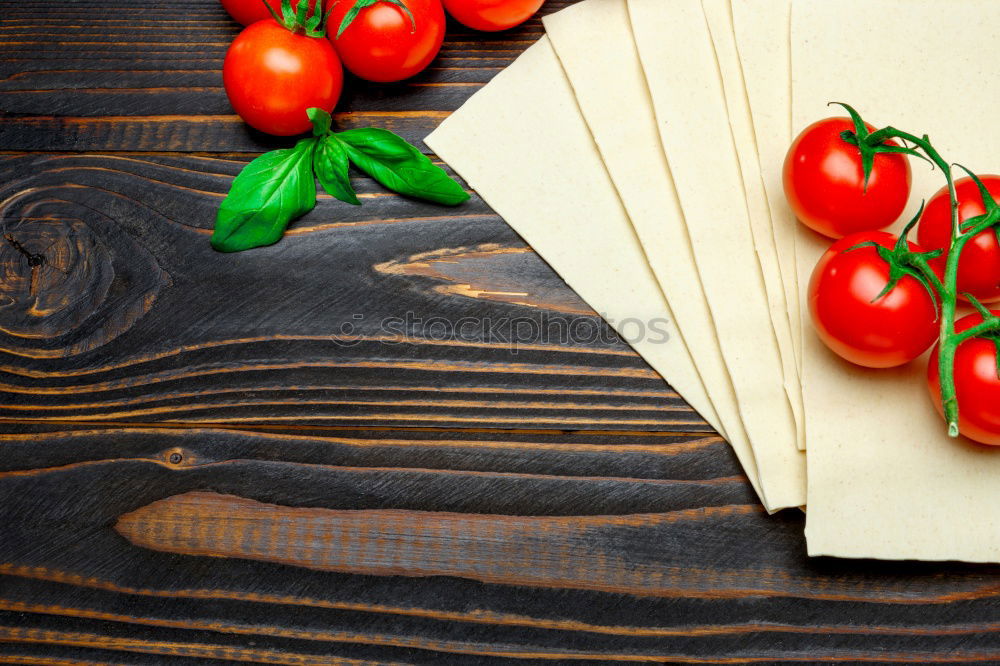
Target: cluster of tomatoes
{"type": "Point", "coordinates": [288, 59]}
{"type": "Point", "coordinates": [864, 308]}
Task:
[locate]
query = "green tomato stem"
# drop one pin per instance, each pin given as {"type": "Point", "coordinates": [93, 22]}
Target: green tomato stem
{"type": "Point", "coordinates": [984, 328]}
{"type": "Point", "coordinates": [948, 290]}
{"type": "Point", "coordinates": [949, 338]}
{"type": "Point", "coordinates": [921, 264]}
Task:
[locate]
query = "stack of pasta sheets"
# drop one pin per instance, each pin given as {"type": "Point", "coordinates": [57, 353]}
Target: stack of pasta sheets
{"type": "Point", "coordinates": [638, 147]}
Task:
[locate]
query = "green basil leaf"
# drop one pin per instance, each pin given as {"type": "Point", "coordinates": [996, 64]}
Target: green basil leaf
{"type": "Point", "coordinates": [399, 166]}
{"type": "Point", "coordinates": [270, 192]}
{"type": "Point", "coordinates": [333, 170]}
{"type": "Point", "coordinates": [321, 120]}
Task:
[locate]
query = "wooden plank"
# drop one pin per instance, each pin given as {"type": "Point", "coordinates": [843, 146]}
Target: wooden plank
{"type": "Point", "coordinates": [615, 548]}
{"type": "Point", "coordinates": [631, 455]}
{"type": "Point", "coordinates": [71, 79]}
{"type": "Point", "coordinates": [397, 312]}
{"type": "Point", "coordinates": [180, 133]}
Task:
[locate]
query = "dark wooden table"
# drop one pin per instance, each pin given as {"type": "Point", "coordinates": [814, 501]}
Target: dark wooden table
{"type": "Point", "coordinates": [294, 455]}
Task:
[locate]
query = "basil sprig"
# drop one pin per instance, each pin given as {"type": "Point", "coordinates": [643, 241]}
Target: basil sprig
{"type": "Point", "coordinates": [399, 166]}
{"type": "Point", "coordinates": [331, 165]}
{"type": "Point", "coordinates": [280, 186]}
{"type": "Point", "coordinates": [270, 192]}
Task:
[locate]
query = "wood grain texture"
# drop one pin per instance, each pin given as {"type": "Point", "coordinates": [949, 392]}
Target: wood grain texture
{"type": "Point", "coordinates": [474, 471]}
{"type": "Point", "coordinates": [453, 546]}
{"type": "Point", "coordinates": [398, 312]}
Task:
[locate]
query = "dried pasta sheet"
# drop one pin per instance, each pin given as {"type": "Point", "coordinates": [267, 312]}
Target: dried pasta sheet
{"type": "Point", "coordinates": [522, 144]}
{"type": "Point", "coordinates": [762, 38]}
{"type": "Point", "coordinates": [718, 14]}
{"type": "Point", "coordinates": [885, 480]}
{"type": "Point", "coordinates": [593, 40]}
{"type": "Point", "coordinates": [689, 102]}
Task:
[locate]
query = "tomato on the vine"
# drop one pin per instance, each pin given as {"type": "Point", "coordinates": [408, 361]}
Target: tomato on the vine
{"type": "Point", "coordinates": [977, 385]}
{"type": "Point", "coordinates": [388, 40]}
{"type": "Point", "coordinates": [851, 318]}
{"type": "Point", "coordinates": [251, 11]}
{"type": "Point", "coordinates": [825, 183]}
{"type": "Point", "coordinates": [272, 75]}
{"type": "Point", "coordinates": [492, 15]}
{"type": "Point", "coordinates": [979, 265]}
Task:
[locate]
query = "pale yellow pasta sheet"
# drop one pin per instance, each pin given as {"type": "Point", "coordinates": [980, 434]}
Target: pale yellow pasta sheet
{"type": "Point", "coordinates": [885, 480]}
{"type": "Point", "coordinates": [762, 38]}
{"type": "Point", "coordinates": [523, 145]}
{"type": "Point", "coordinates": [718, 14]}
{"type": "Point", "coordinates": [593, 40]}
{"type": "Point", "coordinates": [682, 74]}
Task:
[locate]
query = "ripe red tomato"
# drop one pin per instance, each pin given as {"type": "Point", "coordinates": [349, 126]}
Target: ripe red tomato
{"type": "Point", "coordinates": [272, 76]}
{"type": "Point", "coordinates": [891, 331]}
{"type": "Point", "coordinates": [382, 44]}
{"type": "Point", "coordinates": [251, 11]}
{"type": "Point", "coordinates": [824, 182]}
{"type": "Point", "coordinates": [492, 15]}
{"type": "Point", "coordinates": [979, 266]}
{"type": "Point", "coordinates": [976, 385]}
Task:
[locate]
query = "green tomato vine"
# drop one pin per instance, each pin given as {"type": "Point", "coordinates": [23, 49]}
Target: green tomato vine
{"type": "Point", "coordinates": [300, 20]}
{"type": "Point", "coordinates": [904, 262]}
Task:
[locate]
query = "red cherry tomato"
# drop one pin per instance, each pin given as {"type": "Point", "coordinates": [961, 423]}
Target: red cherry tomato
{"type": "Point", "coordinates": [251, 11]}
{"type": "Point", "coordinates": [891, 331]}
{"type": "Point", "coordinates": [382, 44]}
{"type": "Point", "coordinates": [979, 266]}
{"type": "Point", "coordinates": [492, 15]}
{"type": "Point", "coordinates": [976, 385]}
{"type": "Point", "coordinates": [272, 76]}
{"type": "Point", "coordinates": [824, 182]}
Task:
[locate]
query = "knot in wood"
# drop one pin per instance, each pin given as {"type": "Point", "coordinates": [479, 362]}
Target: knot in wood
{"type": "Point", "coordinates": [69, 281]}
{"type": "Point", "coordinates": [177, 457]}
{"type": "Point", "coordinates": [54, 276]}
